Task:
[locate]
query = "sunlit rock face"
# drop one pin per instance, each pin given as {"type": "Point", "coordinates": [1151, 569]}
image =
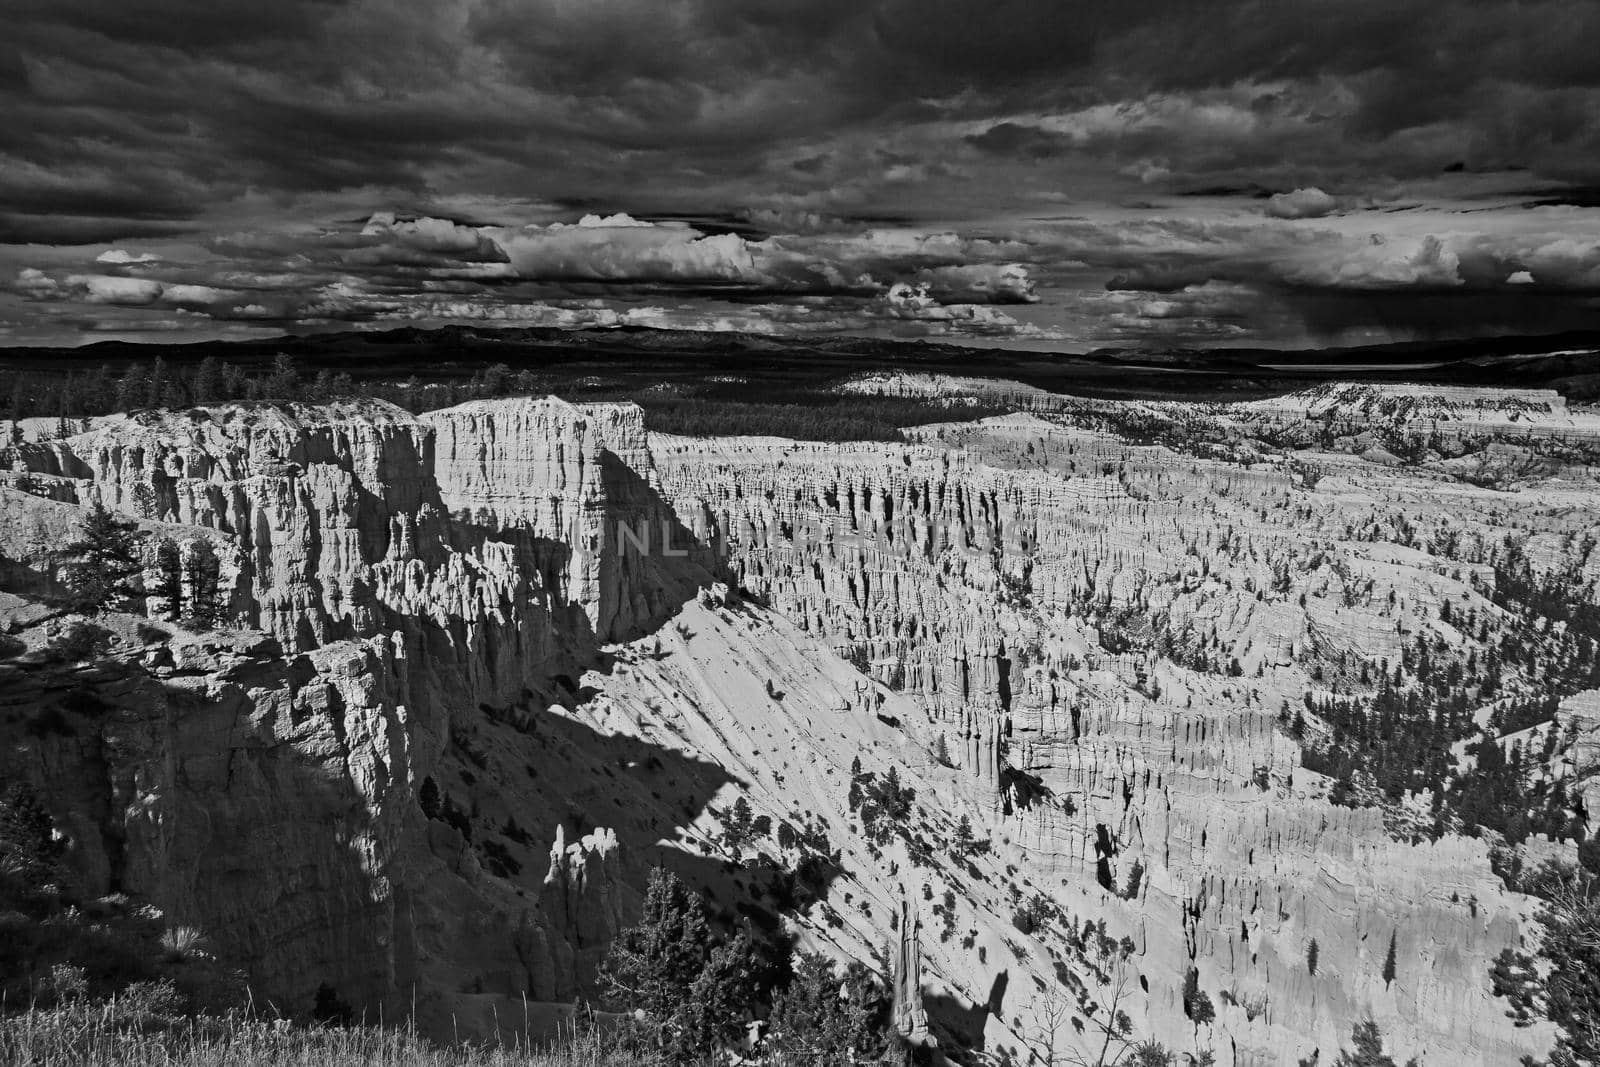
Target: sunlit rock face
{"type": "Point", "coordinates": [578, 481]}
{"type": "Point", "coordinates": [988, 573]}
{"type": "Point", "coordinates": [465, 713]}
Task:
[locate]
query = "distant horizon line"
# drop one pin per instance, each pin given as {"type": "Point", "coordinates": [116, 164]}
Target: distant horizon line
{"type": "Point", "coordinates": [1582, 338]}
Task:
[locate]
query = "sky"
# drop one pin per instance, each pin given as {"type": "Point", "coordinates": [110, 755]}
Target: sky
{"type": "Point", "coordinates": [1055, 174]}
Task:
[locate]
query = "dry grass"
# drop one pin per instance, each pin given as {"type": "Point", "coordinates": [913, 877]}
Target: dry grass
{"type": "Point", "coordinates": [106, 1035]}
{"type": "Point", "coordinates": [183, 943]}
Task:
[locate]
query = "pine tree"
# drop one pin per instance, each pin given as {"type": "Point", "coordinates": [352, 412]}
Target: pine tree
{"type": "Point", "coordinates": [207, 386]}
{"type": "Point", "coordinates": [1311, 957]}
{"type": "Point", "coordinates": [964, 842]}
{"type": "Point", "coordinates": [651, 964]}
{"type": "Point", "coordinates": [823, 1018]}
{"type": "Point", "coordinates": [207, 602]}
{"type": "Point", "coordinates": [694, 993]}
{"type": "Point", "coordinates": [736, 826]}
{"type": "Point", "coordinates": [144, 500]}
{"type": "Point", "coordinates": [1389, 960]}
{"type": "Point", "coordinates": [284, 383]}
{"type": "Point", "coordinates": [167, 561]}
{"type": "Point", "coordinates": [105, 561]}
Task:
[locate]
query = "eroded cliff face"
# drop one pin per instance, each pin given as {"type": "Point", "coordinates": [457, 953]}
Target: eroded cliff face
{"type": "Point", "coordinates": [462, 658]}
{"type": "Point", "coordinates": [992, 573]}
{"type": "Point", "coordinates": [580, 487]}
{"type": "Point", "coordinates": [259, 798]}
{"type": "Point", "coordinates": [270, 789]}
{"type": "Point", "coordinates": [487, 529]}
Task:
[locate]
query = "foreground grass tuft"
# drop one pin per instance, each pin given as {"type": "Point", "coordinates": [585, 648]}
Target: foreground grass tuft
{"type": "Point", "coordinates": [110, 1035]}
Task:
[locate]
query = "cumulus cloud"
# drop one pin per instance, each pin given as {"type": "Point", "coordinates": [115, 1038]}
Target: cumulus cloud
{"type": "Point", "coordinates": [116, 290]}
{"type": "Point", "coordinates": [1384, 266]}
{"type": "Point", "coordinates": [984, 283]}
{"type": "Point", "coordinates": [433, 235]}
{"type": "Point", "coordinates": [916, 303]}
{"type": "Point", "coordinates": [122, 257]}
{"type": "Point", "coordinates": [194, 296]}
{"type": "Point", "coordinates": [109, 289]}
{"type": "Point", "coordinates": [1308, 203]}
{"type": "Point", "coordinates": [34, 284]}
{"type": "Point", "coordinates": [620, 220]}
{"type": "Point", "coordinates": [622, 249]}
{"type": "Point", "coordinates": [1471, 261]}
{"type": "Point", "coordinates": [619, 249]}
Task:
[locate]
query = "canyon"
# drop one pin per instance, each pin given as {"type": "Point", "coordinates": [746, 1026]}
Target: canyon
{"type": "Point", "coordinates": [491, 663]}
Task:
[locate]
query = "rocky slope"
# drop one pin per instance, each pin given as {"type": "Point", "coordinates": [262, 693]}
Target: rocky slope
{"type": "Point", "coordinates": [491, 669]}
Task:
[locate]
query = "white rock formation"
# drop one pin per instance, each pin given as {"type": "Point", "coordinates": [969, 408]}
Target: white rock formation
{"type": "Point", "coordinates": [457, 652]}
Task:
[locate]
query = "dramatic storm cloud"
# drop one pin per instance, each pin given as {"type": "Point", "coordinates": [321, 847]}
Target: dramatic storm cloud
{"type": "Point", "coordinates": [1056, 173]}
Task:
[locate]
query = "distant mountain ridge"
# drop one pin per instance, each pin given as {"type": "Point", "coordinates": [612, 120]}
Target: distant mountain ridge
{"type": "Point", "coordinates": [1566, 362]}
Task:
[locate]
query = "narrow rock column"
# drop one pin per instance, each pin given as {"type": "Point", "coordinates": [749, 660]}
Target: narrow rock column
{"type": "Point", "coordinates": [982, 741]}
{"type": "Point", "coordinates": [910, 1019]}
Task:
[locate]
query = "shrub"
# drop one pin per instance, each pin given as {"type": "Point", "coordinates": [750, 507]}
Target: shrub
{"type": "Point", "coordinates": [79, 640]}
{"type": "Point", "coordinates": [142, 1001]}
{"type": "Point", "coordinates": [1196, 1002]}
{"type": "Point", "coordinates": [182, 943]}
{"type": "Point", "coordinates": [883, 803]}
{"type": "Point", "coordinates": [1150, 1053]}
{"type": "Point", "coordinates": [329, 1009]}
{"type": "Point", "coordinates": [1368, 1051]}
{"type": "Point", "coordinates": [1030, 917]}
{"type": "Point", "coordinates": [1135, 880]}
{"type": "Point", "coordinates": [68, 983]}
